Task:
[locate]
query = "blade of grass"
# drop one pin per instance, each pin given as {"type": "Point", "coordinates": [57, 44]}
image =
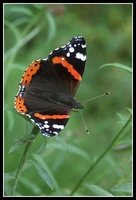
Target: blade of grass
{"type": "Point", "coordinates": [118, 65]}
{"type": "Point", "coordinates": [13, 29]}
{"type": "Point", "coordinates": [22, 42]}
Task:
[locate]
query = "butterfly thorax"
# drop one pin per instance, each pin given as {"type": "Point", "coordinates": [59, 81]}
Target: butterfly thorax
{"type": "Point", "coordinates": [66, 100]}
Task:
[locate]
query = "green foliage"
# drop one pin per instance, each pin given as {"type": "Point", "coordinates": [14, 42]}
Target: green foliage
{"type": "Point", "coordinates": [98, 191]}
{"type": "Point", "coordinates": [125, 188]}
{"type": "Point", "coordinates": [43, 174]}
{"type": "Point", "coordinates": [74, 163]}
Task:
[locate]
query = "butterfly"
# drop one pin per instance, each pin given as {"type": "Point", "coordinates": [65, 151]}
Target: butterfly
{"type": "Point", "coordinates": [48, 86]}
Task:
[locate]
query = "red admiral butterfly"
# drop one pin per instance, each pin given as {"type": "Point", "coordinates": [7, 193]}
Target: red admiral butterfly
{"type": "Point", "coordinates": [48, 86]}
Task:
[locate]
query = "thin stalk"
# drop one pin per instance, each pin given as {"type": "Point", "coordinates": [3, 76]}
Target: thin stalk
{"type": "Point", "coordinates": [21, 164]}
{"type": "Point", "coordinates": [101, 156]}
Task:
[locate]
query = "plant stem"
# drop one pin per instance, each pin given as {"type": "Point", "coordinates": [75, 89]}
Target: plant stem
{"type": "Point", "coordinates": [101, 156]}
{"type": "Point", "coordinates": [21, 164]}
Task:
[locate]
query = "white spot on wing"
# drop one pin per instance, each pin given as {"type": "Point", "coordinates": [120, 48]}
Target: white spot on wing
{"type": "Point", "coordinates": [58, 126]}
{"type": "Point", "coordinates": [71, 49]}
{"type": "Point", "coordinates": [56, 133]}
{"type": "Point", "coordinates": [83, 46]}
{"type": "Point", "coordinates": [68, 54]}
{"type": "Point", "coordinates": [46, 126]}
{"type": "Point", "coordinates": [80, 56]}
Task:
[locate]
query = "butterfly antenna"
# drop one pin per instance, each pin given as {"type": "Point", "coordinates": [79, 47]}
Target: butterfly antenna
{"type": "Point", "coordinates": [83, 122]}
{"type": "Point", "coordinates": [107, 93]}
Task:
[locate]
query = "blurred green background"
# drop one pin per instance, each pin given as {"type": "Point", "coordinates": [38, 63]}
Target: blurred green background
{"type": "Point", "coordinates": [32, 31]}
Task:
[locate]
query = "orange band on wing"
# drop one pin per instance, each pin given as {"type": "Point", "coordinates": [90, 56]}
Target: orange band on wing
{"type": "Point", "coordinates": [20, 106]}
{"type": "Point", "coordinates": [70, 68]}
{"type": "Point", "coordinates": [31, 70]}
{"type": "Point", "coordinates": [51, 116]}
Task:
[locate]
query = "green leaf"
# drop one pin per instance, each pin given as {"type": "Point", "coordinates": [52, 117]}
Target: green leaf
{"type": "Point", "coordinates": [43, 174]}
{"type": "Point", "coordinates": [8, 176]}
{"type": "Point", "coordinates": [21, 9]}
{"type": "Point", "coordinates": [43, 164]}
{"type": "Point", "coordinates": [42, 147]}
{"type": "Point", "coordinates": [118, 65]}
{"type": "Point", "coordinates": [72, 149]}
{"type": "Point", "coordinates": [29, 127]}
{"type": "Point", "coordinates": [59, 139]}
{"type": "Point", "coordinates": [98, 190]}
{"type": "Point", "coordinates": [7, 187]}
{"type": "Point", "coordinates": [126, 187]}
{"type": "Point", "coordinates": [21, 142]}
{"type": "Point", "coordinates": [80, 152]}
{"type": "Point", "coordinates": [120, 116]}
{"type": "Point", "coordinates": [130, 110]}
{"type": "Point", "coordinates": [14, 111]}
